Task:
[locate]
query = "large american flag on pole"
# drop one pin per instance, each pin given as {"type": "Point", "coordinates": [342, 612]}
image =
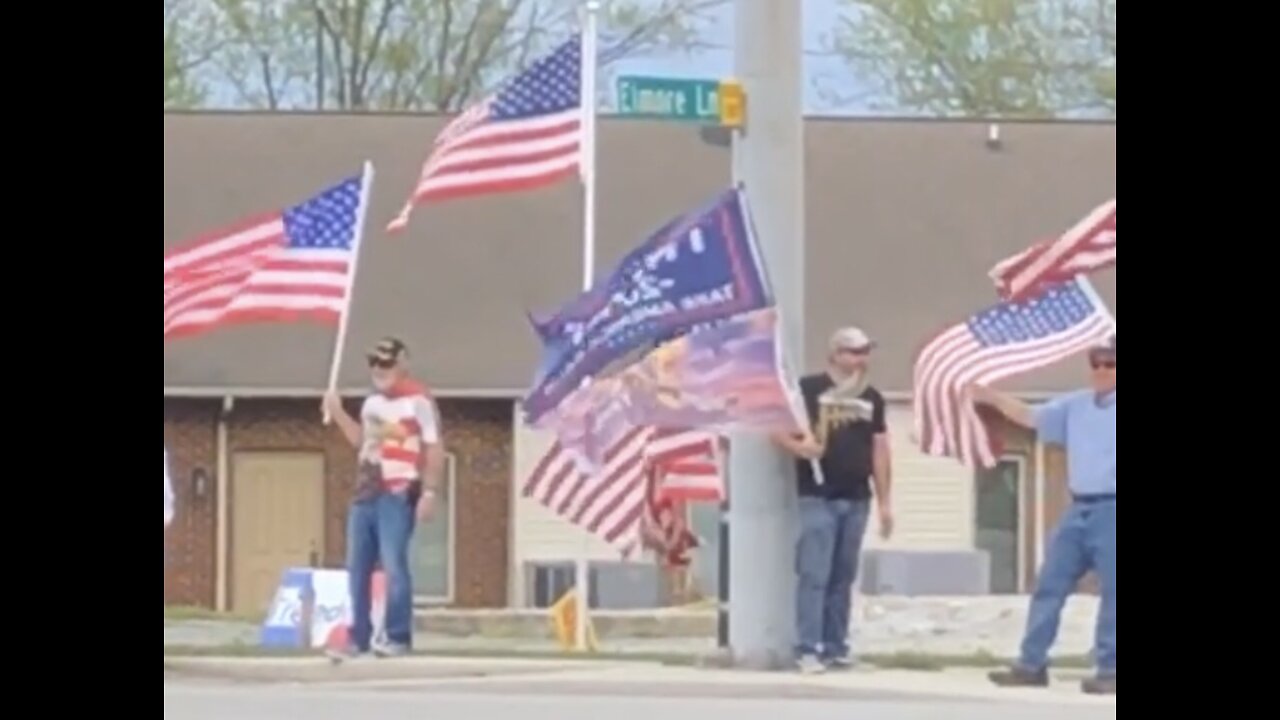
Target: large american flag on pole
{"type": "Point", "coordinates": [286, 265]}
{"type": "Point", "coordinates": [609, 500]}
{"type": "Point", "coordinates": [1089, 246]}
{"type": "Point", "coordinates": [526, 135]}
{"type": "Point", "coordinates": [997, 343]}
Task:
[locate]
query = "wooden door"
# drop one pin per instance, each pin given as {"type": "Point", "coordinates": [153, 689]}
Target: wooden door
{"type": "Point", "coordinates": [277, 522]}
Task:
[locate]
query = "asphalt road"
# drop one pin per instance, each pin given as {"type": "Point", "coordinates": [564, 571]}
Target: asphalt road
{"type": "Point", "coordinates": [188, 700]}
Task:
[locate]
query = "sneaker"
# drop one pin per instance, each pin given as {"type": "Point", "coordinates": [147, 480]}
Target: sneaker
{"type": "Point", "coordinates": [811, 665]}
{"type": "Point", "coordinates": [345, 654]}
{"type": "Point", "coordinates": [841, 662]}
{"type": "Point", "coordinates": [1019, 677]}
{"type": "Point", "coordinates": [392, 650]}
{"type": "Point", "coordinates": [1099, 686]}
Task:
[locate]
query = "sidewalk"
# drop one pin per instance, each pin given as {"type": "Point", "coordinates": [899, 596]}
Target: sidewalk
{"type": "Point", "coordinates": [205, 637]}
{"type": "Point", "coordinates": [939, 626]}
{"type": "Point", "coordinates": [619, 678]}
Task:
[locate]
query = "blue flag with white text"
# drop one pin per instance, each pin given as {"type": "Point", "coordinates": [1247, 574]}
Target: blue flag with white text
{"type": "Point", "coordinates": [701, 267]}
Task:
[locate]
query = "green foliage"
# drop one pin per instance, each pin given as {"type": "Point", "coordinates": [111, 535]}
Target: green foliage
{"type": "Point", "coordinates": [401, 54]}
{"type": "Point", "coordinates": [991, 58]}
{"type": "Point", "coordinates": [180, 89]}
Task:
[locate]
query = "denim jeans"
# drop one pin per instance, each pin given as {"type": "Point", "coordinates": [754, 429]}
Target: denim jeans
{"type": "Point", "coordinates": [827, 556]}
{"type": "Point", "coordinates": [1086, 540]}
{"type": "Point", "coordinates": [378, 533]}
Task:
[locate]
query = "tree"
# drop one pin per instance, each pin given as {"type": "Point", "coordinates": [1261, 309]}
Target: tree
{"type": "Point", "coordinates": [406, 54]}
{"type": "Point", "coordinates": [1105, 78]}
{"type": "Point", "coordinates": [993, 58]}
{"type": "Point", "coordinates": [180, 89]}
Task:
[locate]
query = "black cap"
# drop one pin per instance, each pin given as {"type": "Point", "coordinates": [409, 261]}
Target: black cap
{"type": "Point", "coordinates": [387, 352]}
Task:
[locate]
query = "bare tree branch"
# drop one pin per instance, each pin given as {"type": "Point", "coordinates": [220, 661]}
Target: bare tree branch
{"type": "Point", "coordinates": [401, 54]}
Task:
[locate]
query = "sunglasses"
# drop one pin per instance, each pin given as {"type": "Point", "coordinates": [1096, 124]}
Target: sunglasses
{"type": "Point", "coordinates": [381, 364]}
{"type": "Point", "coordinates": [1102, 364]}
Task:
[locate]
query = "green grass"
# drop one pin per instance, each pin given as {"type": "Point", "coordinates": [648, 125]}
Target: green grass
{"type": "Point", "coordinates": [184, 613]}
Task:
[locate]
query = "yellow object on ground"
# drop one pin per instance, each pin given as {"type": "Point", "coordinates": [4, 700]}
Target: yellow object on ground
{"type": "Point", "coordinates": [564, 622]}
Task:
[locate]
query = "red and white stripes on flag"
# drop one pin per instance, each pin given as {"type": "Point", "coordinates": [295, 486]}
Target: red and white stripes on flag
{"type": "Point", "coordinates": [610, 503]}
{"type": "Point", "coordinates": [526, 135]}
{"type": "Point", "coordinates": [291, 264]}
{"type": "Point", "coordinates": [687, 466]}
{"type": "Point", "coordinates": [1000, 342]}
{"type": "Point", "coordinates": [1087, 247]}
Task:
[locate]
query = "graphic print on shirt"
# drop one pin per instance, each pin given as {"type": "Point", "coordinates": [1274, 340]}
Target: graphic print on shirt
{"type": "Point", "coordinates": [397, 427]}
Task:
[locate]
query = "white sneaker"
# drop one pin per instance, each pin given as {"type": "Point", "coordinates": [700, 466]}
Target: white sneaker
{"type": "Point", "coordinates": [391, 650]}
{"type": "Point", "coordinates": [811, 665]}
{"type": "Point", "coordinates": [345, 654]}
{"type": "Point", "coordinates": [844, 662]}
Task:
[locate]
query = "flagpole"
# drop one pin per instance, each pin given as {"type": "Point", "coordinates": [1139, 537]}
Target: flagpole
{"type": "Point", "coordinates": [1085, 285]}
{"type": "Point", "coordinates": [587, 170]}
{"type": "Point", "coordinates": [340, 341]}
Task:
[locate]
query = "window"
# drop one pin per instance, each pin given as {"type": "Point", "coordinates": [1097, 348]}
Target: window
{"type": "Point", "coordinates": [548, 582]}
{"type": "Point", "coordinates": [704, 520]}
{"type": "Point", "coordinates": [432, 555]}
{"type": "Point", "coordinates": [999, 528]}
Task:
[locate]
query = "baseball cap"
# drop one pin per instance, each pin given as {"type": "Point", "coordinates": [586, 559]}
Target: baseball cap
{"type": "Point", "coordinates": [851, 338]}
{"type": "Point", "coordinates": [1104, 349]}
{"type": "Point", "coordinates": [387, 352]}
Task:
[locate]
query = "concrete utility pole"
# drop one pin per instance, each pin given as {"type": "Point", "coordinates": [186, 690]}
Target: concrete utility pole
{"type": "Point", "coordinates": [769, 159]}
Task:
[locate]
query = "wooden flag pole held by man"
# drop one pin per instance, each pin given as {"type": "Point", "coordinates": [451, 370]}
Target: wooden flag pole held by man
{"type": "Point", "coordinates": [340, 338]}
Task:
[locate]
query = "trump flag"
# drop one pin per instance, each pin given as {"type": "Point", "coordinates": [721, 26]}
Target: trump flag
{"type": "Point", "coordinates": [720, 378]}
{"type": "Point", "coordinates": [701, 267]}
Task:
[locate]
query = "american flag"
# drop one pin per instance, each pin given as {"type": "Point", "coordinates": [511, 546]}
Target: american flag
{"type": "Point", "coordinates": [997, 343]}
{"type": "Point", "coordinates": [610, 502]}
{"type": "Point", "coordinates": [526, 135]}
{"type": "Point", "coordinates": [286, 265]}
{"type": "Point", "coordinates": [1087, 247]}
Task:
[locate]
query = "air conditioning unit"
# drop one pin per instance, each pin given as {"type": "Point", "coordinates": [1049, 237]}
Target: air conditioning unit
{"type": "Point", "coordinates": [545, 583]}
{"type": "Point", "coordinates": [614, 585]}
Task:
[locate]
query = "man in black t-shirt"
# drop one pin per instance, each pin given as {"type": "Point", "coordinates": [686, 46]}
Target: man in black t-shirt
{"type": "Point", "coordinates": [850, 445]}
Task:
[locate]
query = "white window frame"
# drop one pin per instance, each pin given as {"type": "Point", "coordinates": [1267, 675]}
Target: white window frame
{"type": "Point", "coordinates": [1021, 464]}
{"type": "Point", "coordinates": [451, 580]}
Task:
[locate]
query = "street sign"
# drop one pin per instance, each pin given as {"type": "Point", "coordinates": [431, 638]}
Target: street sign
{"type": "Point", "coordinates": [677, 99]}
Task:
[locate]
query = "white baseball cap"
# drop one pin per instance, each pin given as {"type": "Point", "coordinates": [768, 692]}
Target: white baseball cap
{"type": "Point", "coordinates": [851, 338]}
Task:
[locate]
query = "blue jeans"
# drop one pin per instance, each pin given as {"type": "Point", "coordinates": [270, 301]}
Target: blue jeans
{"type": "Point", "coordinates": [1086, 540]}
{"type": "Point", "coordinates": [827, 556]}
{"type": "Point", "coordinates": [378, 534]}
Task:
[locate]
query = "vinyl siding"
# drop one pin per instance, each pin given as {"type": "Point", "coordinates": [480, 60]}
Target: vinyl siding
{"type": "Point", "coordinates": [933, 497]}
{"type": "Point", "coordinates": [539, 534]}
{"type": "Point", "coordinates": [933, 503]}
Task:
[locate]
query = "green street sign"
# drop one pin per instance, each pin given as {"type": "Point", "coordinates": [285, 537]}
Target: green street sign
{"type": "Point", "coordinates": [678, 99]}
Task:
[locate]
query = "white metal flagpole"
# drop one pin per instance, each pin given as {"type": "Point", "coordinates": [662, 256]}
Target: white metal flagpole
{"type": "Point", "coordinates": [340, 341]}
{"type": "Point", "coordinates": [587, 170]}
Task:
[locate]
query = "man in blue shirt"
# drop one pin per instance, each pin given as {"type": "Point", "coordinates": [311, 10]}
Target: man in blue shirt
{"type": "Point", "coordinates": [1084, 423]}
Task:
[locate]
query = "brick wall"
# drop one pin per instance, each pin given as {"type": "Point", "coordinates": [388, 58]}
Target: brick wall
{"type": "Point", "coordinates": [478, 433]}
{"type": "Point", "coordinates": [189, 434]}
